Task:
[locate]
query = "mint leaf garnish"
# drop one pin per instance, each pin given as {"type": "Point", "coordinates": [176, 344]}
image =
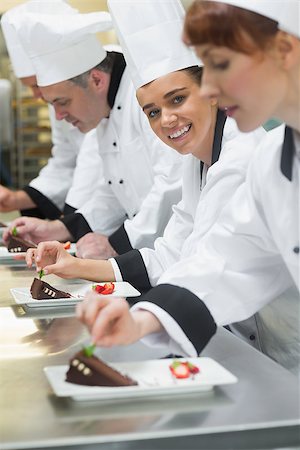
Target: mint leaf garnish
{"type": "Point", "coordinates": [41, 274]}
{"type": "Point", "coordinates": [89, 350]}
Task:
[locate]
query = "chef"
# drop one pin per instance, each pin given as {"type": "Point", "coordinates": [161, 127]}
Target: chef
{"type": "Point", "coordinates": [45, 195]}
{"type": "Point", "coordinates": [142, 176]}
{"type": "Point", "coordinates": [251, 256]}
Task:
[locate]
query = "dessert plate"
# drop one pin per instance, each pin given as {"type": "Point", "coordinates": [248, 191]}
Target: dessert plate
{"type": "Point", "coordinates": [6, 255]}
{"type": "Point", "coordinates": [22, 294]}
{"type": "Point", "coordinates": [154, 379]}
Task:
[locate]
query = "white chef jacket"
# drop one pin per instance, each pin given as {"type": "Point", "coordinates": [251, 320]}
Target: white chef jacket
{"type": "Point", "coordinates": [49, 189]}
{"type": "Point", "coordinates": [204, 195]}
{"type": "Point", "coordinates": [141, 181]}
{"type": "Point", "coordinates": [87, 172]}
{"type": "Point", "coordinates": [247, 260]}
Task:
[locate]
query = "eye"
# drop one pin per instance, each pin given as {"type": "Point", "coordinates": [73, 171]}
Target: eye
{"type": "Point", "coordinates": [153, 113]}
{"type": "Point", "coordinates": [178, 99]}
{"type": "Point", "coordinates": [220, 66]}
{"type": "Point", "coordinates": [63, 102]}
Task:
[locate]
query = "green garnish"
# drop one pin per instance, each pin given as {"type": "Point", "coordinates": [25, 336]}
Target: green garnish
{"type": "Point", "coordinates": [41, 274]}
{"type": "Point", "coordinates": [14, 231]}
{"type": "Point", "coordinates": [89, 350]}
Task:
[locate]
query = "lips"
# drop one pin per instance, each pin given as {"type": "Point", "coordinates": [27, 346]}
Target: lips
{"type": "Point", "coordinates": [229, 110]}
{"type": "Point", "coordinates": [180, 132]}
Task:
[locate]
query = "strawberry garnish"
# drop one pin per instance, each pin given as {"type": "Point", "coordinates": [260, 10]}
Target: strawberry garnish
{"type": "Point", "coordinates": [179, 370]}
{"type": "Point", "coordinates": [192, 368]}
{"type": "Point", "coordinates": [67, 245]}
{"type": "Point", "coordinates": [105, 289]}
{"type": "Point", "coordinates": [183, 369]}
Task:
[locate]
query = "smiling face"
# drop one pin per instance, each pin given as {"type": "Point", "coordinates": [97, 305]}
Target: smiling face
{"type": "Point", "coordinates": [251, 88]}
{"type": "Point", "coordinates": [178, 115]}
{"type": "Point", "coordinates": [83, 107]}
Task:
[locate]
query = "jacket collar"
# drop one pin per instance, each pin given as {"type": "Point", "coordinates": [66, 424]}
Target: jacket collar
{"type": "Point", "coordinates": [217, 144]}
{"type": "Point", "coordinates": [287, 154]}
{"type": "Point", "coordinates": [219, 128]}
{"type": "Point", "coordinates": [116, 75]}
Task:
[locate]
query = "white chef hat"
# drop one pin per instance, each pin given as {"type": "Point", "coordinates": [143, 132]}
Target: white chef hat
{"type": "Point", "coordinates": [285, 12]}
{"type": "Point", "coordinates": [150, 34]}
{"type": "Point", "coordinates": [61, 47]}
{"type": "Point", "coordinates": [22, 66]}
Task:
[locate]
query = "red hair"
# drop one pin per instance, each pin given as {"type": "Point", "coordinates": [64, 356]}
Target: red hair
{"type": "Point", "coordinates": [225, 25]}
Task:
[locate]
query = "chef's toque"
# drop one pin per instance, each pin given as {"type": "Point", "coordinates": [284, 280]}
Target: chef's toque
{"type": "Point", "coordinates": [150, 34]}
{"type": "Point", "coordinates": [21, 63]}
{"type": "Point", "coordinates": [285, 12]}
{"type": "Point", "coordinates": [63, 47]}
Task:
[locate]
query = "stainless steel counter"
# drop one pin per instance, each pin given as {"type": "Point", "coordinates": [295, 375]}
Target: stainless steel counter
{"type": "Point", "coordinates": [260, 411]}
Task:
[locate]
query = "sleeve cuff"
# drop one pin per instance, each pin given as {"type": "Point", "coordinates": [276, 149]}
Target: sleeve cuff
{"type": "Point", "coordinates": [46, 209]}
{"type": "Point", "coordinates": [119, 241]}
{"type": "Point", "coordinates": [117, 272]}
{"type": "Point", "coordinates": [77, 225]}
{"type": "Point", "coordinates": [68, 209]}
{"type": "Point", "coordinates": [190, 312]}
{"type": "Point", "coordinates": [133, 270]}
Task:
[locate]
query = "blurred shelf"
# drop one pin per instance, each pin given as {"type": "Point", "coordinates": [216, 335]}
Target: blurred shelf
{"type": "Point", "coordinates": [32, 136]}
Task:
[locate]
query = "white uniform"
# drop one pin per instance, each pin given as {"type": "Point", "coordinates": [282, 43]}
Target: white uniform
{"type": "Point", "coordinates": [204, 195]}
{"type": "Point", "coordinates": [141, 179]}
{"type": "Point", "coordinates": [55, 179]}
{"type": "Point", "coordinates": [249, 258]}
{"type": "Point", "coordinates": [87, 172]}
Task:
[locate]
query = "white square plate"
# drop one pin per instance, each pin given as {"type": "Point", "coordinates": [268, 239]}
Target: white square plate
{"type": "Point", "coordinates": [22, 295]}
{"type": "Point", "coordinates": [154, 378]}
{"type": "Point", "coordinates": [6, 255]}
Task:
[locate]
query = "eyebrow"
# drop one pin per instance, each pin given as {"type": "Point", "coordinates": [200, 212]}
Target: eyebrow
{"type": "Point", "coordinates": [167, 95]}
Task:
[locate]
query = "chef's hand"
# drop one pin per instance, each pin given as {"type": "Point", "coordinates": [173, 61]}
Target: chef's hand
{"type": "Point", "coordinates": [14, 200]}
{"type": "Point", "coordinates": [51, 257]}
{"type": "Point", "coordinates": [110, 321]}
{"type": "Point", "coordinates": [94, 246]}
{"type": "Point", "coordinates": [37, 230]}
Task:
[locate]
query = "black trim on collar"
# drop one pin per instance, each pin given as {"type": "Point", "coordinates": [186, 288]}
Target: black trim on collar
{"type": "Point", "coordinates": [217, 144]}
{"type": "Point", "coordinates": [116, 75]}
{"type": "Point", "coordinates": [46, 209]}
{"type": "Point", "coordinates": [219, 128]}
{"type": "Point", "coordinates": [133, 269]}
{"type": "Point", "coordinates": [287, 154]}
{"type": "Point", "coordinates": [189, 311]}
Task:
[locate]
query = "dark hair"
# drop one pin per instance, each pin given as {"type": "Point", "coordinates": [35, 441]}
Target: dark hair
{"type": "Point", "coordinates": [104, 66]}
{"type": "Point", "coordinates": [194, 72]}
{"type": "Point", "coordinates": [229, 26]}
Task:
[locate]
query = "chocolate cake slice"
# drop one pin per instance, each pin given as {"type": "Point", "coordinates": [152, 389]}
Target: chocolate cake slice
{"type": "Point", "coordinates": [17, 245]}
{"type": "Point", "coordinates": [92, 371]}
{"type": "Point", "coordinates": [40, 290]}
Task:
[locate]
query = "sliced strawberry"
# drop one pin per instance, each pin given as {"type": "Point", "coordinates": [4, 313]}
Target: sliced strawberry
{"type": "Point", "coordinates": [108, 288]}
{"type": "Point", "coordinates": [179, 369]}
{"type": "Point", "coordinates": [192, 368]}
{"type": "Point", "coordinates": [105, 289]}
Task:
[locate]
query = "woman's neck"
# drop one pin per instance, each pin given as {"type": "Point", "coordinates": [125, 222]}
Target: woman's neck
{"type": "Point", "coordinates": [290, 111]}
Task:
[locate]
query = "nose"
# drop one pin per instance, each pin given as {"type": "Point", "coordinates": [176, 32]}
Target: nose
{"type": "Point", "coordinates": [59, 114]}
{"type": "Point", "coordinates": [168, 118]}
{"type": "Point", "coordinates": [209, 88]}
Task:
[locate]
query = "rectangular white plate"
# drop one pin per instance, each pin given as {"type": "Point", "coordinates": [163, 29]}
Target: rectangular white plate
{"type": "Point", "coordinates": [6, 255]}
{"type": "Point", "coordinates": [22, 295]}
{"type": "Point", "coordinates": [154, 378]}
